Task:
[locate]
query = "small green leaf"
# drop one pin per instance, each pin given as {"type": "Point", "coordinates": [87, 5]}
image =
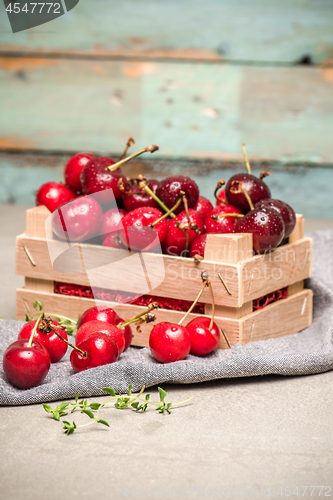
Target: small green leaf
{"type": "Point", "coordinates": [162, 393]}
{"type": "Point", "coordinates": [76, 398]}
{"type": "Point", "coordinates": [95, 406]}
{"type": "Point", "coordinates": [69, 428]}
{"type": "Point", "coordinates": [104, 422]}
{"type": "Point", "coordinates": [27, 317]}
{"type": "Point", "coordinates": [147, 397]}
{"type": "Point", "coordinates": [56, 415]}
{"type": "Point", "coordinates": [129, 389]}
{"type": "Point", "coordinates": [63, 413]}
{"type": "Point", "coordinates": [62, 406]}
{"type": "Point", "coordinates": [35, 305]}
{"type": "Point", "coordinates": [135, 405]}
{"type": "Point", "coordinates": [39, 304]}
{"type": "Point", "coordinates": [89, 413]}
{"type": "Point", "coordinates": [109, 390]}
{"type": "Point", "coordinates": [47, 408]}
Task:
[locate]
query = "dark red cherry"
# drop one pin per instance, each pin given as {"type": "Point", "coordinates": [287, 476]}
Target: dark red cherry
{"type": "Point", "coordinates": [73, 169]}
{"type": "Point", "coordinates": [198, 246]}
{"type": "Point", "coordinates": [287, 213]}
{"type": "Point", "coordinates": [102, 327]}
{"type": "Point", "coordinates": [256, 188]}
{"type": "Point", "coordinates": [111, 219]}
{"type": "Point", "coordinates": [175, 241]}
{"type": "Point", "coordinates": [24, 366]}
{"type": "Point", "coordinates": [266, 226]}
{"type": "Point", "coordinates": [169, 189]}
{"type": "Point", "coordinates": [135, 231]}
{"type": "Point", "coordinates": [101, 350]}
{"type": "Point", "coordinates": [78, 220]}
{"type": "Point", "coordinates": [53, 194]}
{"type": "Point", "coordinates": [222, 224]}
{"type": "Point", "coordinates": [169, 342]}
{"type": "Point", "coordinates": [203, 339]}
{"type": "Point", "coordinates": [96, 178]}
{"type": "Point", "coordinates": [126, 331]}
{"type": "Point", "coordinates": [135, 198]}
{"type": "Point", "coordinates": [56, 347]}
{"type": "Point", "coordinates": [98, 313]}
{"type": "Point", "coordinates": [203, 207]}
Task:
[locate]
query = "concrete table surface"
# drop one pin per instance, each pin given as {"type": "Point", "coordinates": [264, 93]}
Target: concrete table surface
{"type": "Point", "coordinates": [243, 438]}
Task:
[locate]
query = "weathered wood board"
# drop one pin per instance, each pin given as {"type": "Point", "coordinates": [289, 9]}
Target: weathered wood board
{"type": "Point", "coordinates": [260, 30]}
{"type": "Point", "coordinates": [197, 111]}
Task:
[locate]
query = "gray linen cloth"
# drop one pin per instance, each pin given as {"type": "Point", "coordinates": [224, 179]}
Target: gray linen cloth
{"type": "Point", "coordinates": [304, 353]}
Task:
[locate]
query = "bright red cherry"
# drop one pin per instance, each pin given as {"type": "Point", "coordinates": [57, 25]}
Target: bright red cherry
{"type": "Point", "coordinates": [102, 327]}
{"type": "Point", "coordinates": [135, 231]}
{"type": "Point", "coordinates": [203, 207]}
{"type": "Point", "coordinates": [56, 347]}
{"type": "Point", "coordinates": [169, 189]}
{"type": "Point", "coordinates": [222, 224]}
{"type": "Point", "coordinates": [266, 226]}
{"type": "Point", "coordinates": [175, 241]}
{"type": "Point", "coordinates": [287, 213]}
{"type": "Point", "coordinates": [203, 339]}
{"type": "Point", "coordinates": [73, 169]}
{"type": "Point", "coordinates": [111, 219]}
{"type": "Point", "coordinates": [256, 188]}
{"type": "Point", "coordinates": [169, 342]}
{"type": "Point", "coordinates": [222, 200]}
{"type": "Point", "coordinates": [24, 366]}
{"type": "Point", "coordinates": [78, 220]}
{"type": "Point", "coordinates": [98, 313]}
{"type": "Point", "coordinates": [198, 246]}
{"type": "Point", "coordinates": [53, 194]}
{"type": "Point", "coordinates": [101, 350]}
{"type": "Point", "coordinates": [126, 331]}
{"type": "Point", "coordinates": [96, 178]}
{"type": "Point", "coordinates": [135, 198]}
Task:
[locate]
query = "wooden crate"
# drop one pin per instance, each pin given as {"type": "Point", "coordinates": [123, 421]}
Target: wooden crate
{"type": "Point", "coordinates": [237, 279]}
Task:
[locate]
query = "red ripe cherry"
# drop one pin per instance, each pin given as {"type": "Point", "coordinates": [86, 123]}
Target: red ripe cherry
{"type": "Point", "coordinates": [169, 189]}
{"type": "Point", "coordinates": [53, 194]}
{"type": "Point", "coordinates": [112, 241]}
{"type": "Point", "coordinates": [175, 241]}
{"type": "Point", "coordinates": [24, 366]}
{"type": "Point", "coordinates": [203, 339]}
{"type": "Point", "coordinates": [126, 331]}
{"type": "Point", "coordinates": [198, 246]}
{"type": "Point", "coordinates": [102, 327]}
{"type": "Point", "coordinates": [256, 188]}
{"type": "Point", "coordinates": [135, 198]}
{"type": "Point", "coordinates": [101, 350]}
{"type": "Point", "coordinates": [73, 169]}
{"type": "Point", "coordinates": [56, 347]}
{"type": "Point", "coordinates": [266, 226]}
{"type": "Point", "coordinates": [98, 313]}
{"type": "Point", "coordinates": [96, 178]}
{"type": "Point", "coordinates": [203, 207]}
{"type": "Point", "coordinates": [169, 342]}
{"type": "Point", "coordinates": [222, 200]}
{"type": "Point", "coordinates": [222, 224]}
{"type": "Point", "coordinates": [287, 213]}
{"type": "Point", "coordinates": [111, 219]}
{"type": "Point", "coordinates": [78, 220]}
{"type": "Point", "coordinates": [135, 231]}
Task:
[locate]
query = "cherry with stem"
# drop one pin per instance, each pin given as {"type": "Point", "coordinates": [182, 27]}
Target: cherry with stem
{"type": "Point", "coordinates": [115, 166]}
{"type": "Point", "coordinates": [220, 184]}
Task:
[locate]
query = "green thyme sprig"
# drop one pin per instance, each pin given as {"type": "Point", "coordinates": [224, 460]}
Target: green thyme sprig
{"type": "Point", "coordinates": [69, 323]}
{"type": "Point", "coordinates": [118, 401]}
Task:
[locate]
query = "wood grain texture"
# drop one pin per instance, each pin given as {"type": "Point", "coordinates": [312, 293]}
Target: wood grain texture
{"type": "Point", "coordinates": [39, 285]}
{"type": "Point", "coordinates": [196, 111]}
{"type": "Point", "coordinates": [271, 30]}
{"type": "Point", "coordinates": [281, 318]}
{"type": "Point", "coordinates": [35, 220]}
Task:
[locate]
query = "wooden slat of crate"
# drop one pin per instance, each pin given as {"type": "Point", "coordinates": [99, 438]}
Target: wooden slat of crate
{"type": "Point", "coordinates": [280, 318]}
{"type": "Point", "coordinates": [270, 31]}
{"type": "Point", "coordinates": [292, 105]}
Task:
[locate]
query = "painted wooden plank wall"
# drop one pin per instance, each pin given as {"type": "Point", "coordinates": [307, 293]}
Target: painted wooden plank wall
{"type": "Point", "coordinates": [271, 31]}
{"type": "Point", "coordinates": [191, 110]}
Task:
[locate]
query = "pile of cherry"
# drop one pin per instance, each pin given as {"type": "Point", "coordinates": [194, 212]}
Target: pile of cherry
{"type": "Point", "coordinates": [142, 214]}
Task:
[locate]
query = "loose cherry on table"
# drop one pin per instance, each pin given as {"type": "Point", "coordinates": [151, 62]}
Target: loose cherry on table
{"type": "Point", "coordinates": [73, 169]}
{"type": "Point", "coordinates": [126, 331]}
{"type": "Point", "coordinates": [54, 194]}
{"type": "Point", "coordinates": [79, 220]}
{"type": "Point", "coordinates": [96, 350]}
{"type": "Point", "coordinates": [53, 344]}
{"type": "Point", "coordinates": [94, 326]}
{"type": "Point", "coordinates": [26, 362]}
{"type": "Point", "coordinates": [286, 211]}
{"type": "Point", "coordinates": [134, 197]}
{"type": "Point", "coordinates": [98, 313]}
{"type": "Point", "coordinates": [204, 334]}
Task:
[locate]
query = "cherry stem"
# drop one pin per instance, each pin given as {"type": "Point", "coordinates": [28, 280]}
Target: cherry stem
{"type": "Point", "coordinates": [151, 306]}
{"type": "Point", "coordinates": [115, 166]}
{"type": "Point", "coordinates": [205, 283]}
{"type": "Point", "coordinates": [242, 189]}
{"type": "Point", "coordinates": [225, 337]}
{"type": "Point", "coordinates": [213, 306]}
{"type": "Point", "coordinates": [83, 353]}
{"type": "Point", "coordinates": [246, 159]}
{"type": "Point", "coordinates": [129, 143]}
{"type": "Point", "coordinates": [264, 174]}
{"type": "Point", "coordinates": [143, 185]}
{"type": "Point", "coordinates": [170, 212]}
{"type": "Point", "coordinates": [216, 217]}
{"type": "Point", "coordinates": [34, 330]}
{"type": "Point", "coordinates": [218, 186]}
